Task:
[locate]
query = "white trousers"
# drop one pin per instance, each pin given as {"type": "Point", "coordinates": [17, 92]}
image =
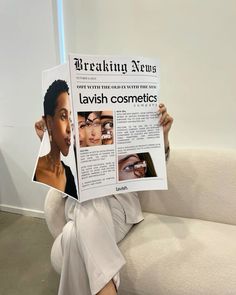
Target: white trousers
{"type": "Point", "coordinates": [91, 257]}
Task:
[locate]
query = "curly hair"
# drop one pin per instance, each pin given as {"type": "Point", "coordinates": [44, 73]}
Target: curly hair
{"type": "Point", "coordinates": [50, 98]}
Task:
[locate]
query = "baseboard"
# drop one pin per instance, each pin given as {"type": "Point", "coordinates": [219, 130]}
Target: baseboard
{"type": "Point", "coordinates": [22, 211]}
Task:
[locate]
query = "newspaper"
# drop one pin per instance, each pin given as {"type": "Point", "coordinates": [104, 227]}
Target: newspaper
{"type": "Point", "coordinates": [103, 137]}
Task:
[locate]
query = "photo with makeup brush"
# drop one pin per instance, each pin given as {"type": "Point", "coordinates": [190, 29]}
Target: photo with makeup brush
{"type": "Point", "coordinates": [95, 128]}
{"type": "Point", "coordinates": [134, 166]}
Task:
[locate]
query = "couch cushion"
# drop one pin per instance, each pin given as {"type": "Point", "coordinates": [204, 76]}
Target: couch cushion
{"type": "Point", "coordinates": [202, 184]}
{"type": "Point", "coordinates": [169, 255]}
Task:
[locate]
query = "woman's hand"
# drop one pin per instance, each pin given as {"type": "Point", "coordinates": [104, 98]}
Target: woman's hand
{"type": "Point", "coordinates": [40, 128]}
{"type": "Point", "coordinates": [166, 121]}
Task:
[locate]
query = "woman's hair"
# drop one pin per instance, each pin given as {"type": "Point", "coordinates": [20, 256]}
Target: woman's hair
{"type": "Point", "coordinates": [97, 113]}
{"type": "Point", "coordinates": [150, 166]}
{"type": "Point", "coordinates": [50, 98]}
{"type": "Point", "coordinates": [81, 114]}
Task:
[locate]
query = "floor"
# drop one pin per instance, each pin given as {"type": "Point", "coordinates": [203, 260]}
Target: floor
{"type": "Point", "coordinates": [25, 267]}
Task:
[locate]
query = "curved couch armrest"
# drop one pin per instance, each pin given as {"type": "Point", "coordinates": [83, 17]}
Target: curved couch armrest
{"type": "Point", "coordinates": [54, 209]}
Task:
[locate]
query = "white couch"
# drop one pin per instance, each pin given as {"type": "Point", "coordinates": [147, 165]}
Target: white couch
{"type": "Point", "coordinates": [187, 243]}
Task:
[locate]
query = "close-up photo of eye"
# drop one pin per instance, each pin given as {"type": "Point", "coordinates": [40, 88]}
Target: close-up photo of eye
{"type": "Point", "coordinates": [82, 126]}
{"type": "Point", "coordinates": [136, 166]}
{"type": "Point", "coordinates": [107, 125]}
{"type": "Point", "coordinates": [128, 168]}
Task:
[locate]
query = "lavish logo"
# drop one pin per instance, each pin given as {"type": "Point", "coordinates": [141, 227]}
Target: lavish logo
{"type": "Point", "coordinates": [122, 188]}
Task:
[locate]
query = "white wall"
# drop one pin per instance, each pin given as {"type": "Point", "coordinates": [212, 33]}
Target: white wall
{"type": "Point", "coordinates": [195, 41]}
{"type": "Point", "coordinates": [28, 46]}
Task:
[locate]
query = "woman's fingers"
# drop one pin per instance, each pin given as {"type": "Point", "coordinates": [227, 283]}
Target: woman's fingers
{"type": "Point", "coordinates": [162, 112]}
{"type": "Point", "coordinates": [40, 128]}
{"type": "Point", "coordinates": [162, 109]}
{"type": "Point", "coordinates": [165, 119]}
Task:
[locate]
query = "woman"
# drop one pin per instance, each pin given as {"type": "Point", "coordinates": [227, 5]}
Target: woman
{"type": "Point", "coordinates": [91, 257]}
{"type": "Point", "coordinates": [93, 131]}
{"type": "Point", "coordinates": [50, 169]}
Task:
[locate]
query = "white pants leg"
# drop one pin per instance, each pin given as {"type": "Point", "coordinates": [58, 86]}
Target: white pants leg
{"type": "Point", "coordinates": [74, 279]}
{"type": "Point", "coordinates": [91, 257]}
{"type": "Point", "coordinates": [119, 219]}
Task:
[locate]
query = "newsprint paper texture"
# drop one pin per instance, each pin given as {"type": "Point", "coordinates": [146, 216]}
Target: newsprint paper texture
{"type": "Point", "coordinates": [102, 133]}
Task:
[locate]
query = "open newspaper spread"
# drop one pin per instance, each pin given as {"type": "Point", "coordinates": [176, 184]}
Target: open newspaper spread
{"type": "Point", "coordinates": [102, 129]}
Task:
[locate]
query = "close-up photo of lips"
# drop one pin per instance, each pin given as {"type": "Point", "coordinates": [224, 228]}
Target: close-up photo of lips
{"type": "Point", "coordinates": [50, 168]}
{"type": "Point", "coordinates": [95, 128]}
